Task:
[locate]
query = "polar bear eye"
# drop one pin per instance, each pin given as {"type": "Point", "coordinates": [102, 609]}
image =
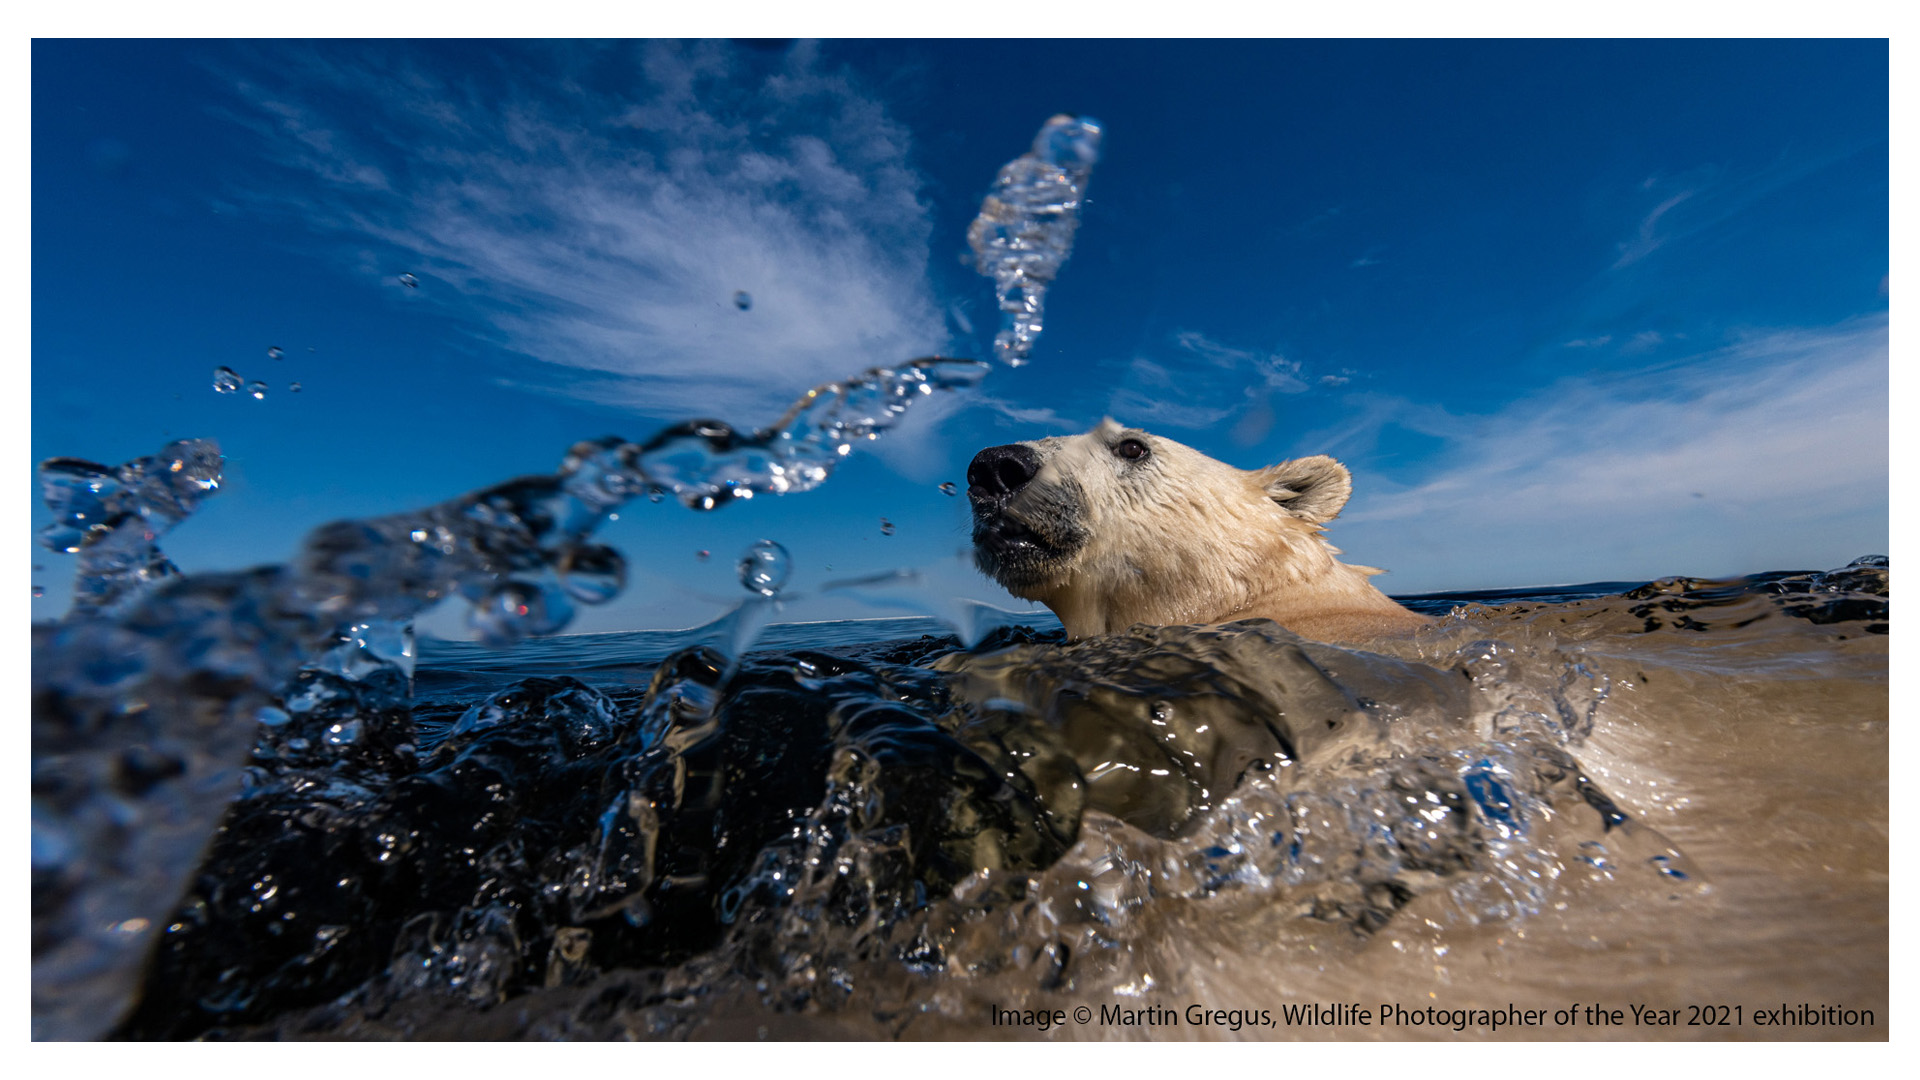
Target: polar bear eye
{"type": "Point", "coordinates": [1132, 450]}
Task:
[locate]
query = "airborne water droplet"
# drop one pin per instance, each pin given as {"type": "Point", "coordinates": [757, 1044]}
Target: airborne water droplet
{"type": "Point", "coordinates": [275, 352]}
{"type": "Point", "coordinates": [742, 300]}
{"type": "Point", "coordinates": [764, 568]}
{"type": "Point", "coordinates": [226, 380]}
{"type": "Point", "coordinates": [293, 388]}
{"type": "Point", "coordinates": [702, 554]}
{"type": "Point", "coordinates": [948, 489]}
{"type": "Point", "coordinates": [886, 527]}
{"type": "Point", "coordinates": [592, 573]}
{"type": "Point", "coordinates": [39, 591]}
{"type": "Point", "coordinates": [514, 610]}
{"type": "Point", "coordinates": [258, 390]}
{"type": "Point", "coordinates": [409, 281]}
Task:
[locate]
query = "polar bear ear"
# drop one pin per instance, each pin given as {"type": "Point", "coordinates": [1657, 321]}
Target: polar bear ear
{"type": "Point", "coordinates": [1314, 488]}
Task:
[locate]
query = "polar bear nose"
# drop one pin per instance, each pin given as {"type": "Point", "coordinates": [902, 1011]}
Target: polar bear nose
{"type": "Point", "coordinates": [999, 471]}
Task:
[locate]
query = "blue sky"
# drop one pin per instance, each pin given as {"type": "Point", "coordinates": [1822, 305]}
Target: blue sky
{"type": "Point", "coordinates": [1571, 311]}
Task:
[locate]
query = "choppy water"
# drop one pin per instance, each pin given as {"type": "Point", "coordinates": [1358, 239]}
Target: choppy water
{"type": "Point", "coordinates": [1667, 798]}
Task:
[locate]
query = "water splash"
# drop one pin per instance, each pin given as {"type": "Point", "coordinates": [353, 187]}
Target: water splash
{"type": "Point", "coordinates": [1025, 228]}
{"type": "Point", "coordinates": [919, 593]}
{"type": "Point", "coordinates": [142, 714]}
{"type": "Point", "coordinates": [111, 516]}
{"type": "Point", "coordinates": [188, 670]}
{"type": "Point", "coordinates": [706, 463]}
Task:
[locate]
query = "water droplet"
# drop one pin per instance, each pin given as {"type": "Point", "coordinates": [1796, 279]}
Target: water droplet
{"type": "Point", "coordinates": [948, 489]}
{"type": "Point", "coordinates": [226, 380]}
{"type": "Point", "coordinates": [742, 300]}
{"type": "Point", "coordinates": [515, 610]}
{"type": "Point", "coordinates": [293, 388]}
{"type": "Point", "coordinates": [592, 573]}
{"type": "Point", "coordinates": [275, 352]}
{"type": "Point", "coordinates": [886, 527]}
{"type": "Point", "coordinates": [39, 591]}
{"type": "Point", "coordinates": [702, 554]}
{"type": "Point", "coordinates": [63, 537]}
{"type": "Point", "coordinates": [409, 281]}
{"type": "Point", "coordinates": [258, 390]}
{"type": "Point", "coordinates": [764, 568]}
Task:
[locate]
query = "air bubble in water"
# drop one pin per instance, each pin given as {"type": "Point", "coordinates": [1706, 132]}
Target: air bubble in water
{"type": "Point", "coordinates": [948, 489]}
{"type": "Point", "coordinates": [742, 300]}
{"type": "Point", "coordinates": [226, 380]}
{"type": "Point", "coordinates": [764, 568]}
{"type": "Point", "coordinates": [886, 527]}
{"type": "Point", "coordinates": [409, 281]}
{"type": "Point", "coordinates": [257, 390]}
{"type": "Point", "coordinates": [275, 352]}
{"type": "Point", "coordinates": [293, 388]}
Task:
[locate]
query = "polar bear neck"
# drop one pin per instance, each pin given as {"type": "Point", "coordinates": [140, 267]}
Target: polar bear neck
{"type": "Point", "coordinates": [1253, 561]}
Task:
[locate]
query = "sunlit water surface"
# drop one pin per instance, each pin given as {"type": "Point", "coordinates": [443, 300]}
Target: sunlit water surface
{"type": "Point", "coordinates": [1671, 797]}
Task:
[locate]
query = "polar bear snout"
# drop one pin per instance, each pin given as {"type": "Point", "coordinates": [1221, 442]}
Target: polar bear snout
{"type": "Point", "coordinates": [1025, 531]}
{"type": "Point", "coordinates": [999, 471]}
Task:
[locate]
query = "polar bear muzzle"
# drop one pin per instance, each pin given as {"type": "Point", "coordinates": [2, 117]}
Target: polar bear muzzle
{"type": "Point", "coordinates": [1023, 533]}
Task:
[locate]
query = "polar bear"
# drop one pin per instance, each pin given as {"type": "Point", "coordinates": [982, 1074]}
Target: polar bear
{"type": "Point", "coordinates": [1117, 527]}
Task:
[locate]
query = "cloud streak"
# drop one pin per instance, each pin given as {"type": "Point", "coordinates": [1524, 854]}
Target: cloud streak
{"type": "Point", "coordinates": [1208, 382]}
{"type": "Point", "coordinates": [605, 229]}
{"type": "Point", "coordinates": [1771, 449]}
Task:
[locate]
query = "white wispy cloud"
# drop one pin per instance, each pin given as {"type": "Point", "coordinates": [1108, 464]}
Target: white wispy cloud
{"type": "Point", "coordinates": [1768, 453]}
{"type": "Point", "coordinates": [1031, 415]}
{"type": "Point", "coordinates": [605, 230]}
{"type": "Point", "coordinates": [1649, 237]}
{"type": "Point", "coordinates": [1203, 382]}
{"type": "Point", "coordinates": [1699, 199]}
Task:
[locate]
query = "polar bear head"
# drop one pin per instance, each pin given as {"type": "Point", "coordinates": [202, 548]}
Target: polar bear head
{"type": "Point", "coordinates": [1119, 526]}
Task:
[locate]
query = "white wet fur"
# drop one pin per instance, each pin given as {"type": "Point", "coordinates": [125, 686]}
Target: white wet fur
{"type": "Point", "coordinates": [1183, 538]}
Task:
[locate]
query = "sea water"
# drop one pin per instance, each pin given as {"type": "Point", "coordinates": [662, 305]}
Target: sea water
{"type": "Point", "coordinates": [1671, 799]}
